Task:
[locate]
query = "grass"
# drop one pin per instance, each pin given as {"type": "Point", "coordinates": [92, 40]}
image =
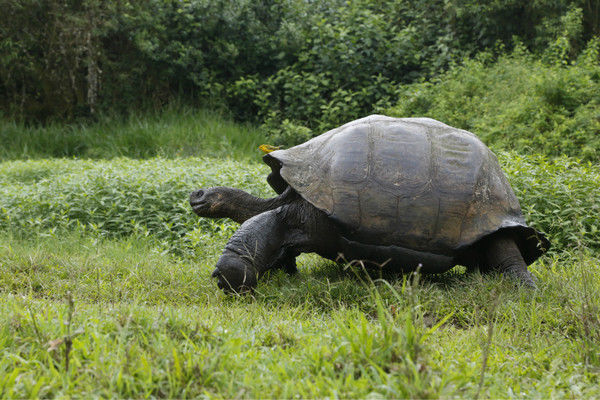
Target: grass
{"type": "Point", "coordinates": [105, 289]}
{"type": "Point", "coordinates": [147, 324]}
{"type": "Point", "coordinates": [175, 132]}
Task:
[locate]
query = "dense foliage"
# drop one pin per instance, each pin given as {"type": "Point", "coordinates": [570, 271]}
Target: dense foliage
{"type": "Point", "coordinates": [125, 197]}
{"type": "Point", "coordinates": [311, 63]}
{"type": "Point", "coordinates": [517, 103]}
{"type": "Point", "coordinates": [116, 198]}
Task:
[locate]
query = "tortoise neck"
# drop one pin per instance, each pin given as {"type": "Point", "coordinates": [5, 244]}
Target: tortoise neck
{"type": "Point", "coordinates": [241, 206]}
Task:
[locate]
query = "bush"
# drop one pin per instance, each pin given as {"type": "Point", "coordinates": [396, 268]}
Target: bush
{"type": "Point", "coordinates": [291, 104]}
{"type": "Point", "coordinates": [517, 103]}
{"type": "Point", "coordinates": [127, 197]}
{"type": "Point", "coordinates": [560, 197]}
{"type": "Point", "coordinates": [119, 197]}
{"type": "Point", "coordinates": [286, 132]}
{"type": "Point", "coordinates": [69, 59]}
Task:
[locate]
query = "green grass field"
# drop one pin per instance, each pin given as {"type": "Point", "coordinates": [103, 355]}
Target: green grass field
{"type": "Point", "coordinates": [105, 287]}
{"type": "Point", "coordinates": [175, 132]}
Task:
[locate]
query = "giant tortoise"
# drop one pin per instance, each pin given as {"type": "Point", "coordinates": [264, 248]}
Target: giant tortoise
{"type": "Point", "coordinates": [399, 193]}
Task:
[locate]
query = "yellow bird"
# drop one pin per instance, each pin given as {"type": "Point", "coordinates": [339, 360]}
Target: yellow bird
{"type": "Point", "coordinates": [267, 148]}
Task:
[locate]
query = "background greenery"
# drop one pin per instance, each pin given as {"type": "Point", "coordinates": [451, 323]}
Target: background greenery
{"type": "Point", "coordinates": [122, 197]}
{"type": "Point", "coordinates": [522, 74]}
{"type": "Point", "coordinates": [111, 112]}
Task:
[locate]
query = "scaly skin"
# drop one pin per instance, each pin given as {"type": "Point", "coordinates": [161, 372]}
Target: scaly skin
{"type": "Point", "coordinates": [225, 202]}
{"type": "Point", "coordinates": [501, 254]}
{"type": "Point", "coordinates": [273, 239]}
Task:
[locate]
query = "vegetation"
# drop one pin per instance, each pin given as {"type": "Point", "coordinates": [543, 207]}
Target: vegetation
{"type": "Point", "coordinates": [275, 59]}
{"type": "Point", "coordinates": [87, 317]}
{"type": "Point", "coordinates": [176, 132]}
{"type": "Point", "coordinates": [124, 197]}
{"type": "Point", "coordinates": [517, 102]}
{"type": "Point", "coordinates": [284, 64]}
{"type": "Point", "coordinates": [106, 290]}
{"type": "Point", "coordinates": [112, 112]}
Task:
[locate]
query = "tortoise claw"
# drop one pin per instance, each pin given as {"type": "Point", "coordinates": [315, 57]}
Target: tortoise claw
{"type": "Point", "coordinates": [221, 283]}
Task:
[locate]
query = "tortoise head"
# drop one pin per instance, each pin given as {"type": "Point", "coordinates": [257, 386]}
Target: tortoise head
{"type": "Point", "coordinates": [211, 202]}
{"type": "Point", "coordinates": [225, 202]}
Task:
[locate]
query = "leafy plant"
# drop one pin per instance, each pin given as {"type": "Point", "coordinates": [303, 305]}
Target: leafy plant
{"type": "Point", "coordinates": [122, 197]}
{"type": "Point", "coordinates": [517, 103]}
{"type": "Point", "coordinates": [79, 59]}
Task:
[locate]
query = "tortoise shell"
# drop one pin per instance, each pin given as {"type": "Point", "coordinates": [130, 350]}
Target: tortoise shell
{"type": "Point", "coordinates": [410, 182]}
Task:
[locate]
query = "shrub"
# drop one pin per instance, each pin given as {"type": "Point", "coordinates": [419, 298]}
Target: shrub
{"type": "Point", "coordinates": [128, 197]}
{"type": "Point", "coordinates": [68, 59]}
{"type": "Point", "coordinates": [311, 102]}
{"type": "Point", "coordinates": [517, 103]}
{"type": "Point", "coordinates": [560, 197]}
{"type": "Point", "coordinates": [286, 132]}
{"type": "Point", "coordinates": [117, 198]}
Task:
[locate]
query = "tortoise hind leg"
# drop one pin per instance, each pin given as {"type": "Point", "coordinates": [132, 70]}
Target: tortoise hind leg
{"type": "Point", "coordinates": [502, 255]}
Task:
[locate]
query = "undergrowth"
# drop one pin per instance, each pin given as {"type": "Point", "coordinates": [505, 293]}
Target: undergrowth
{"type": "Point", "coordinates": [516, 102]}
{"type": "Point", "coordinates": [174, 132]}
{"type": "Point", "coordinates": [124, 197]}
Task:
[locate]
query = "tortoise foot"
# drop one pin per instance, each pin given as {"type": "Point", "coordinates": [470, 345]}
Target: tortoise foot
{"type": "Point", "coordinates": [521, 276]}
{"type": "Point", "coordinates": [233, 275]}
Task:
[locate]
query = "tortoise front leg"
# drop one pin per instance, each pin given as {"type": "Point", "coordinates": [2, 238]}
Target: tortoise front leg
{"type": "Point", "coordinates": [273, 239]}
{"type": "Point", "coordinates": [250, 252]}
{"type": "Point", "coordinates": [502, 254]}
{"type": "Point", "coordinates": [287, 261]}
